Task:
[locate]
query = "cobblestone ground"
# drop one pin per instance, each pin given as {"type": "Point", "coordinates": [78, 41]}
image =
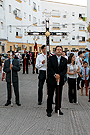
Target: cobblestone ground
{"type": "Point", "coordinates": [31, 119]}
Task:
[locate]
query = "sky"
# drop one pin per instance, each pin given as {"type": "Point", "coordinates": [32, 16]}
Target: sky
{"type": "Point", "coordinates": [78, 2]}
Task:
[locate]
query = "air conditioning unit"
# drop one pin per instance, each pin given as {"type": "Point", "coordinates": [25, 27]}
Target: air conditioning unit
{"type": "Point", "coordinates": [15, 12]}
{"type": "Point", "coordinates": [16, 45]}
{"type": "Point", "coordinates": [24, 46]}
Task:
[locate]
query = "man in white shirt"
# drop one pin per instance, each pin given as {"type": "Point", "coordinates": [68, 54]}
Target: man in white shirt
{"type": "Point", "coordinates": [79, 63]}
{"type": "Point", "coordinates": [41, 64]}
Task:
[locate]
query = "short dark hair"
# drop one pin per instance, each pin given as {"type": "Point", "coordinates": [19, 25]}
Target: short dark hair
{"type": "Point", "coordinates": [86, 49]}
{"type": "Point", "coordinates": [42, 47]}
{"type": "Point", "coordinates": [58, 46]}
{"type": "Point", "coordinates": [84, 62]}
{"type": "Point", "coordinates": [12, 52]}
{"type": "Point", "coordinates": [80, 52]}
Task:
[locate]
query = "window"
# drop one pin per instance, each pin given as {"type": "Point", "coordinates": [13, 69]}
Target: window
{"type": "Point", "coordinates": [24, 32]}
{"type": "Point", "coordinates": [64, 26]}
{"type": "Point", "coordinates": [19, 48]}
{"type": "Point", "coordinates": [81, 39]}
{"type": "Point", "coordinates": [17, 13]}
{"type": "Point", "coordinates": [9, 8]}
{"type": "Point", "coordinates": [34, 6]}
{"type": "Point", "coordinates": [3, 48]}
{"type": "Point", "coordinates": [38, 8]}
{"type": "Point", "coordinates": [66, 49]}
{"type": "Point", "coordinates": [10, 28]}
{"type": "Point", "coordinates": [34, 20]}
{"type": "Point", "coordinates": [38, 21]}
{"type": "Point", "coordinates": [73, 25]}
{"type": "Point", "coordinates": [2, 25]}
{"type": "Point", "coordinates": [1, 3]}
{"type": "Point", "coordinates": [73, 13]}
{"type": "Point", "coordinates": [24, 15]}
{"type": "Point", "coordinates": [82, 27]}
{"type": "Point", "coordinates": [73, 49]}
{"type": "Point", "coordinates": [30, 49]}
{"type": "Point", "coordinates": [53, 49]}
{"type": "Point", "coordinates": [29, 2]}
{"type": "Point", "coordinates": [39, 49]}
{"type": "Point", "coordinates": [29, 17]}
{"type": "Point", "coordinates": [64, 16]}
{"type": "Point", "coordinates": [73, 37]}
{"type": "Point", "coordinates": [18, 32]}
{"type": "Point", "coordinates": [10, 47]}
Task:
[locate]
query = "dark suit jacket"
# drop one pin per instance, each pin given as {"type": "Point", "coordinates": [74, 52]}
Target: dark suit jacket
{"type": "Point", "coordinates": [15, 69]}
{"type": "Point", "coordinates": [54, 68]}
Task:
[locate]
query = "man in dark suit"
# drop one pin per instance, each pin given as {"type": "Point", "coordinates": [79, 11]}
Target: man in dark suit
{"type": "Point", "coordinates": [57, 68]}
{"type": "Point", "coordinates": [26, 59]}
{"type": "Point", "coordinates": [15, 67]}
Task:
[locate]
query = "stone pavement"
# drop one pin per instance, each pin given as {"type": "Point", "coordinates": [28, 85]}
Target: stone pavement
{"type": "Point", "coordinates": [31, 119]}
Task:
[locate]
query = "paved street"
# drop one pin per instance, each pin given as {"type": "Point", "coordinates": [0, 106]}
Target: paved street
{"type": "Point", "coordinates": [31, 119]}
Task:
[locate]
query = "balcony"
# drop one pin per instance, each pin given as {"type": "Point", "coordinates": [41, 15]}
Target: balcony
{"type": "Point", "coordinates": [35, 24]}
{"type": "Point", "coordinates": [82, 42]}
{"type": "Point", "coordinates": [18, 17]}
{"type": "Point", "coordinates": [55, 15]}
{"type": "Point", "coordinates": [19, 36]}
{"type": "Point", "coordinates": [56, 28]}
{"type": "Point", "coordinates": [83, 30]}
{"type": "Point", "coordinates": [34, 9]}
{"type": "Point", "coordinates": [20, 1]}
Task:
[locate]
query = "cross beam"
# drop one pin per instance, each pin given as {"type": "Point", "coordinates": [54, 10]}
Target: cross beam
{"type": "Point", "coordinates": [48, 34]}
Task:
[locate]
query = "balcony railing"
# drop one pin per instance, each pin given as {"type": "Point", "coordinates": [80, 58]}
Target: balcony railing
{"type": "Point", "coordinates": [20, 1]}
{"type": "Point", "coordinates": [19, 36]}
{"type": "Point", "coordinates": [56, 28]}
{"type": "Point", "coordinates": [18, 17]}
{"type": "Point", "coordinates": [35, 23]}
{"type": "Point", "coordinates": [81, 41]}
{"type": "Point", "coordinates": [55, 15]}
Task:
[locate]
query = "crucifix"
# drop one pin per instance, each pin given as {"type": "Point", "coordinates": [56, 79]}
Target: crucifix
{"type": "Point", "coordinates": [48, 34]}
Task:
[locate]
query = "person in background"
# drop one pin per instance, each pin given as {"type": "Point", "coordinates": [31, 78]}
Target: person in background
{"type": "Point", "coordinates": [18, 55]}
{"type": "Point", "coordinates": [3, 73]}
{"type": "Point", "coordinates": [41, 65]}
{"type": "Point", "coordinates": [64, 55]}
{"type": "Point", "coordinates": [0, 62]}
{"type": "Point", "coordinates": [80, 64]}
{"type": "Point", "coordinates": [86, 56]}
{"type": "Point", "coordinates": [82, 75]}
{"type": "Point", "coordinates": [72, 72]}
{"type": "Point", "coordinates": [15, 67]}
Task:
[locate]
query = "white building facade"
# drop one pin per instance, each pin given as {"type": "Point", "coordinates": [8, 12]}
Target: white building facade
{"type": "Point", "coordinates": [18, 17]}
{"type": "Point", "coordinates": [69, 19]}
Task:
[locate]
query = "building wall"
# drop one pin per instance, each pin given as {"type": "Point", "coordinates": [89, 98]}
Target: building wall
{"type": "Point", "coordinates": [58, 11]}
{"type": "Point", "coordinates": [15, 16]}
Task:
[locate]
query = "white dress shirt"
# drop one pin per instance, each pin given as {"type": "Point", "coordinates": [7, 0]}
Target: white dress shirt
{"type": "Point", "coordinates": [39, 60]}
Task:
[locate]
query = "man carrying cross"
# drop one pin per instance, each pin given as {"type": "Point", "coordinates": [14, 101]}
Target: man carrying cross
{"type": "Point", "coordinates": [41, 65]}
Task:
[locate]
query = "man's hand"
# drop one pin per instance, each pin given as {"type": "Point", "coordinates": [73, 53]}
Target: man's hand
{"type": "Point", "coordinates": [86, 75]}
{"type": "Point", "coordinates": [11, 66]}
{"type": "Point", "coordinates": [81, 76]}
{"type": "Point", "coordinates": [57, 76]}
{"type": "Point", "coordinates": [43, 61]}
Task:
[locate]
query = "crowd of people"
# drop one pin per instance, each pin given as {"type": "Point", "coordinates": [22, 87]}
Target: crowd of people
{"type": "Point", "coordinates": [61, 67]}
